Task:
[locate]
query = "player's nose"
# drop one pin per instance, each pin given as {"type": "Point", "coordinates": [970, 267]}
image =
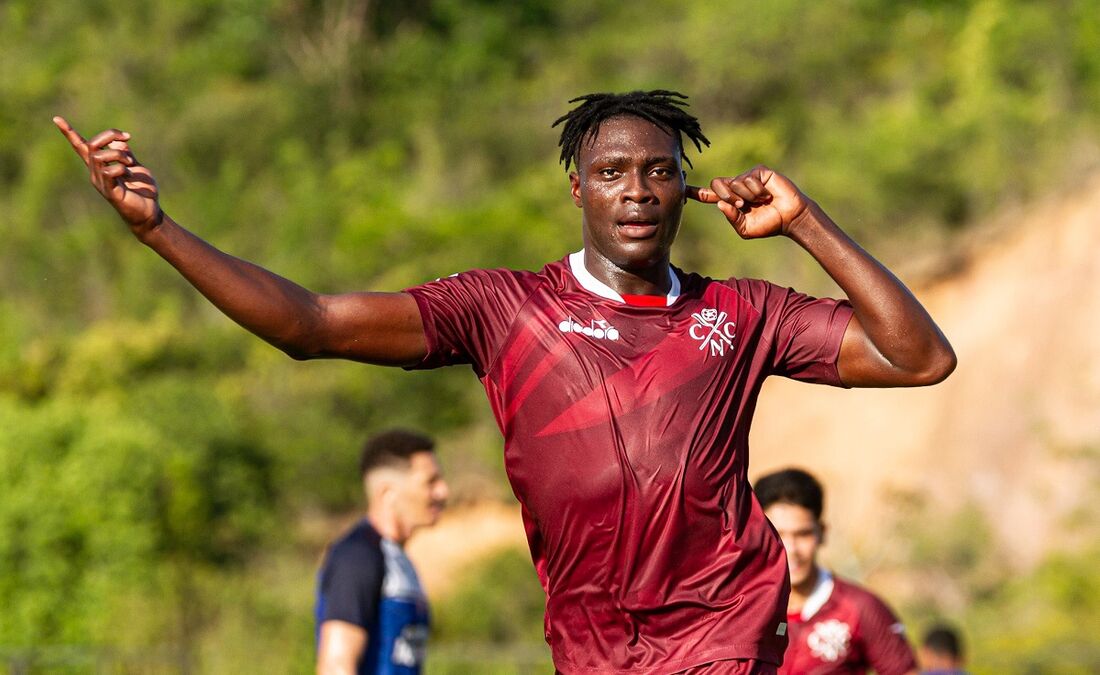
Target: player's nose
{"type": "Point", "coordinates": [637, 189]}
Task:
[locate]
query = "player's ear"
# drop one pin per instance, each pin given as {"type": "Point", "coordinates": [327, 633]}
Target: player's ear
{"type": "Point", "coordinates": [380, 487]}
{"type": "Point", "coordinates": [821, 529]}
{"type": "Point", "coordinates": [575, 188]}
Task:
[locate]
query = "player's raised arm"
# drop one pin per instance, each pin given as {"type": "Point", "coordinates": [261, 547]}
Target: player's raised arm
{"type": "Point", "coordinates": [891, 341]}
{"type": "Point", "coordinates": [382, 328]}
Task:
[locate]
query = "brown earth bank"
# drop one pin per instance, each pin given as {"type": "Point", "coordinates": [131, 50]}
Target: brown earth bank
{"type": "Point", "coordinates": [1006, 431]}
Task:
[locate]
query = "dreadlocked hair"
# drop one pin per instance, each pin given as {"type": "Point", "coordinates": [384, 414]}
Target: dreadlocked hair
{"type": "Point", "coordinates": [661, 107]}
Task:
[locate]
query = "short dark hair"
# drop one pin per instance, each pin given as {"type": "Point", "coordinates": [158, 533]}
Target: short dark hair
{"type": "Point", "coordinates": [791, 486]}
{"type": "Point", "coordinates": [661, 107]}
{"type": "Point", "coordinates": [392, 447]}
{"type": "Point", "coordinates": [943, 639]}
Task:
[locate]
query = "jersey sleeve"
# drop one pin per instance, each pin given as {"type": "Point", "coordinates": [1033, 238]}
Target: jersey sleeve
{"type": "Point", "coordinates": [883, 637]}
{"type": "Point", "coordinates": [351, 585]}
{"type": "Point", "coordinates": [804, 332]}
{"type": "Point", "coordinates": [466, 316]}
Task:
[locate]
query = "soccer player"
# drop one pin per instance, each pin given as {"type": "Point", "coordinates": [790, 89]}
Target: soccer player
{"type": "Point", "coordinates": [372, 615]}
{"type": "Point", "coordinates": [624, 387]}
{"type": "Point", "coordinates": [941, 652]}
{"type": "Point", "coordinates": [834, 625]}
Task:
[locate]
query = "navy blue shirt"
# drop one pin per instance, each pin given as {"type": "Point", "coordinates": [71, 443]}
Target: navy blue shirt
{"type": "Point", "coordinates": [368, 581]}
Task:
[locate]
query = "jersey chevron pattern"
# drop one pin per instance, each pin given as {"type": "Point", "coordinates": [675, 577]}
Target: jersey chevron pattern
{"type": "Point", "coordinates": [626, 442]}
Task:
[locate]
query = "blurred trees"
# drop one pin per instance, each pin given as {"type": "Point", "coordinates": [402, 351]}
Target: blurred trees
{"type": "Point", "coordinates": [151, 452]}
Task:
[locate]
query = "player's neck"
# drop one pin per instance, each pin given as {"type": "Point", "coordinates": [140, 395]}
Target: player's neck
{"type": "Point", "coordinates": [801, 592]}
{"type": "Point", "coordinates": [388, 525]}
{"type": "Point", "coordinates": [650, 280]}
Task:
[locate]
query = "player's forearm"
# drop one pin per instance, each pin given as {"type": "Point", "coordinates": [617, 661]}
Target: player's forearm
{"type": "Point", "coordinates": [274, 308]}
{"type": "Point", "coordinates": [895, 322]}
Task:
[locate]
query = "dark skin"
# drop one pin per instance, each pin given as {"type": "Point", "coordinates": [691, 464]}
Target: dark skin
{"type": "Point", "coordinates": [630, 185]}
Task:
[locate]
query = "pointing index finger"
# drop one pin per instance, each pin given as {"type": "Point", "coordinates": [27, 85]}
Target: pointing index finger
{"type": "Point", "coordinates": [75, 139]}
{"type": "Point", "coordinates": [701, 194]}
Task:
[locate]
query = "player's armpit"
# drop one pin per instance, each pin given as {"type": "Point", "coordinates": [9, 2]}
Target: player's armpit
{"type": "Point", "coordinates": [340, 647]}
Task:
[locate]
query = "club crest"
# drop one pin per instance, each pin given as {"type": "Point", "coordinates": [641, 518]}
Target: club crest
{"type": "Point", "coordinates": [713, 331]}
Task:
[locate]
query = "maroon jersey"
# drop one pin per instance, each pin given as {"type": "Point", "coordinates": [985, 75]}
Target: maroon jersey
{"type": "Point", "coordinates": [844, 628]}
{"type": "Point", "coordinates": [626, 442]}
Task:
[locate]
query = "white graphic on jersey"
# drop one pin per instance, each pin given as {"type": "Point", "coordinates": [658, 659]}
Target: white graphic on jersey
{"type": "Point", "coordinates": [713, 331]}
{"type": "Point", "coordinates": [829, 640]}
{"type": "Point", "coordinates": [597, 328]}
{"type": "Point", "coordinates": [410, 647]}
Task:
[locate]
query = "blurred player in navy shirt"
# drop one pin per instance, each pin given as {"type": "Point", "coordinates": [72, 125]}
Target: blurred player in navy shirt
{"type": "Point", "coordinates": [371, 612]}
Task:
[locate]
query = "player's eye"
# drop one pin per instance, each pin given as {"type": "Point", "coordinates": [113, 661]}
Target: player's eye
{"type": "Point", "coordinates": [609, 172]}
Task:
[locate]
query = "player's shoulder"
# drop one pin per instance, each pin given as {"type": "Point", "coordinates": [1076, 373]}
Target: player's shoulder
{"type": "Point", "coordinates": [861, 598]}
{"type": "Point", "coordinates": [501, 278]}
{"type": "Point", "coordinates": [754, 291]}
{"type": "Point", "coordinates": [361, 544]}
{"type": "Point", "coordinates": [850, 590]}
{"type": "Point", "coordinates": [494, 274]}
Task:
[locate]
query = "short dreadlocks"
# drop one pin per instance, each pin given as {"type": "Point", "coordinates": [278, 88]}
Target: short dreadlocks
{"type": "Point", "coordinates": [660, 106]}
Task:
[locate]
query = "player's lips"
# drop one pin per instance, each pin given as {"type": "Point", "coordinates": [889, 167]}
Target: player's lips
{"type": "Point", "coordinates": [638, 228]}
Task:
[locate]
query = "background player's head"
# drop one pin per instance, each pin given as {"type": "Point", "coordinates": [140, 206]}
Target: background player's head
{"type": "Point", "coordinates": [627, 151]}
{"type": "Point", "coordinates": [793, 500]}
{"type": "Point", "coordinates": [402, 479]}
{"type": "Point", "coordinates": [941, 650]}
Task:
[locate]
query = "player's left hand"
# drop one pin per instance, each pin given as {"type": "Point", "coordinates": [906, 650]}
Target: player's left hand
{"type": "Point", "coordinates": [758, 203]}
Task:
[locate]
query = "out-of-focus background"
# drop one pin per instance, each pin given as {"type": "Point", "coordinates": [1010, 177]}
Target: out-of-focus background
{"type": "Point", "coordinates": [168, 482]}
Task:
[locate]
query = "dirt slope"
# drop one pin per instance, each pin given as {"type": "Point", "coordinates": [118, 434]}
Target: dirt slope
{"type": "Point", "coordinates": [1024, 318]}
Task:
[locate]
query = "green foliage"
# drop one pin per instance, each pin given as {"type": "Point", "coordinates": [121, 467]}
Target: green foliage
{"type": "Point", "coordinates": [103, 512]}
{"type": "Point", "coordinates": [1045, 622]}
{"type": "Point", "coordinates": [492, 621]}
{"type": "Point", "coordinates": [1041, 621]}
{"type": "Point", "coordinates": [501, 602]}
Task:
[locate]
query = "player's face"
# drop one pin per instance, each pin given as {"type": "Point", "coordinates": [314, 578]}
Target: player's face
{"type": "Point", "coordinates": [422, 493]}
{"type": "Point", "coordinates": [801, 534]}
{"type": "Point", "coordinates": [630, 184]}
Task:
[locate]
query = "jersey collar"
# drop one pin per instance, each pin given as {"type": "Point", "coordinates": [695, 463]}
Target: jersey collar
{"type": "Point", "coordinates": [594, 285]}
{"type": "Point", "coordinates": [823, 589]}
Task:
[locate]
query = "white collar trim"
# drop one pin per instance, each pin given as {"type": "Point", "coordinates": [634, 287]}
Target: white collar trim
{"type": "Point", "coordinates": [823, 590]}
{"type": "Point", "coordinates": [594, 285]}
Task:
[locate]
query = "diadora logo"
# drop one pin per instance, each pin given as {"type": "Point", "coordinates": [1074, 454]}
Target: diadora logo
{"type": "Point", "coordinates": [713, 331]}
{"type": "Point", "coordinates": [597, 328]}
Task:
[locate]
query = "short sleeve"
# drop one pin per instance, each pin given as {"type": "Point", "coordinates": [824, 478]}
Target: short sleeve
{"type": "Point", "coordinates": [351, 584]}
{"type": "Point", "coordinates": [467, 315]}
{"type": "Point", "coordinates": [883, 637]}
{"type": "Point", "coordinates": [803, 333]}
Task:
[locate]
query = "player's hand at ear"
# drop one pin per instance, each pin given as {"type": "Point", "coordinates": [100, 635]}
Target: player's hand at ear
{"type": "Point", "coordinates": [758, 203]}
{"type": "Point", "coordinates": [117, 175]}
